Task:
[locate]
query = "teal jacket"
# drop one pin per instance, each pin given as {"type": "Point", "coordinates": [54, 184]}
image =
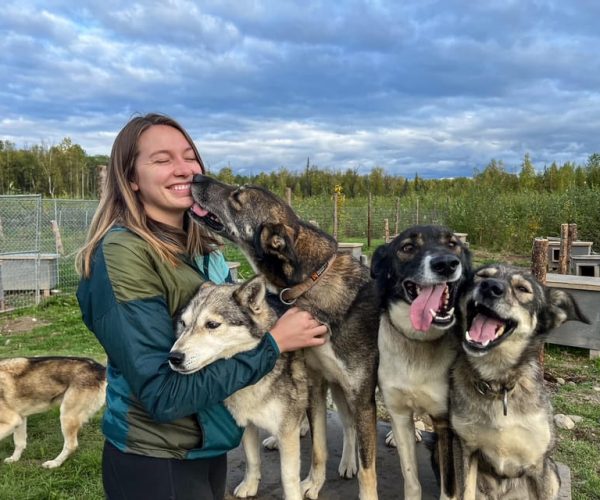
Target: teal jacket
{"type": "Point", "coordinates": [129, 302]}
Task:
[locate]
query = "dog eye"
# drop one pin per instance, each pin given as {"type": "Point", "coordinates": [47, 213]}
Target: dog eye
{"type": "Point", "coordinates": [408, 248]}
{"type": "Point", "coordinates": [211, 325]}
{"type": "Point", "coordinates": [523, 288]}
{"type": "Point", "coordinates": [452, 244]}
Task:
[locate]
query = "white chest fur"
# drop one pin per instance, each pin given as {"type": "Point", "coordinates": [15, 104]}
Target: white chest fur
{"type": "Point", "coordinates": [413, 374]}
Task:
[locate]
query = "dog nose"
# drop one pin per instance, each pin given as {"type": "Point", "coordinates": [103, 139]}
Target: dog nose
{"type": "Point", "coordinates": [197, 178]}
{"type": "Point", "coordinates": [176, 358]}
{"type": "Point", "coordinates": [445, 265]}
{"type": "Point", "coordinates": [492, 288]}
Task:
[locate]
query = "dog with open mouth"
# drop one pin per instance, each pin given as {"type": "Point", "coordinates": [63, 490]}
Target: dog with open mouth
{"type": "Point", "coordinates": [302, 266]}
{"type": "Point", "coordinates": [500, 411]}
{"type": "Point", "coordinates": [419, 275]}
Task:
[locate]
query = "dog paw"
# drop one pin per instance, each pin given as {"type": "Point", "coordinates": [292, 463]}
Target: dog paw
{"type": "Point", "coordinates": [51, 464]}
{"type": "Point", "coordinates": [247, 488]}
{"type": "Point", "coordinates": [11, 460]}
{"type": "Point", "coordinates": [390, 440]}
{"type": "Point", "coordinates": [270, 443]}
{"type": "Point", "coordinates": [347, 470]}
{"type": "Point", "coordinates": [310, 488]}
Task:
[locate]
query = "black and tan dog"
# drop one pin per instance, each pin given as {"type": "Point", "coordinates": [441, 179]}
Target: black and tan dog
{"type": "Point", "coordinates": [301, 264]}
{"type": "Point", "coordinates": [33, 385]}
{"type": "Point", "coordinates": [418, 276]}
{"type": "Point", "coordinates": [500, 411]}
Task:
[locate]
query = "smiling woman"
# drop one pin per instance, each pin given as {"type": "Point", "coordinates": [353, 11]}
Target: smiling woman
{"type": "Point", "coordinates": [166, 433]}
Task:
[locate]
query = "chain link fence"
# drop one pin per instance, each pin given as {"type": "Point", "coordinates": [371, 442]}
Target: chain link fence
{"type": "Point", "coordinates": [39, 237]}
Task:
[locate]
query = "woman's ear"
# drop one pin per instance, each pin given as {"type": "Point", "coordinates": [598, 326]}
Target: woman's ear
{"type": "Point", "coordinates": [133, 185]}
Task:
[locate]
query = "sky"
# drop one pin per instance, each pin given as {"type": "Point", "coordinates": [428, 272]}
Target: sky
{"type": "Point", "coordinates": [434, 88]}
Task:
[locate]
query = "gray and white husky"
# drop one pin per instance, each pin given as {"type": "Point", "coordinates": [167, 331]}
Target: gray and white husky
{"type": "Point", "coordinates": [221, 321]}
{"type": "Point", "coordinates": [499, 408]}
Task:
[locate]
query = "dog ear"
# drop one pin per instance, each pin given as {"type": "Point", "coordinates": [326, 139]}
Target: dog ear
{"type": "Point", "coordinates": [252, 294]}
{"type": "Point", "coordinates": [379, 261]}
{"type": "Point", "coordinates": [275, 239]}
{"type": "Point", "coordinates": [562, 307]}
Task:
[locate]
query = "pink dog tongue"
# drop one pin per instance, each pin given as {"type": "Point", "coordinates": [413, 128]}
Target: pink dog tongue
{"type": "Point", "coordinates": [428, 298]}
{"type": "Point", "coordinates": [483, 328]}
{"type": "Point", "coordinates": [198, 210]}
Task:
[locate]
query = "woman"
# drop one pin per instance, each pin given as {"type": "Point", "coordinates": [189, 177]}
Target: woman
{"type": "Point", "coordinates": [166, 434]}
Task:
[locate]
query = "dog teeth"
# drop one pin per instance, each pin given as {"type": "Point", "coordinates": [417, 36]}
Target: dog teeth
{"type": "Point", "coordinates": [500, 331]}
{"type": "Point", "coordinates": [451, 312]}
{"type": "Point", "coordinates": [468, 336]}
{"type": "Point", "coordinates": [485, 343]}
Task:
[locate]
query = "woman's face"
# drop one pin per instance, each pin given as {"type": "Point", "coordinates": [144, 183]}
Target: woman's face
{"type": "Point", "coordinates": [163, 173]}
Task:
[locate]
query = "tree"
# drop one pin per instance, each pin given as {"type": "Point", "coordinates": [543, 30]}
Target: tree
{"type": "Point", "coordinates": [527, 175]}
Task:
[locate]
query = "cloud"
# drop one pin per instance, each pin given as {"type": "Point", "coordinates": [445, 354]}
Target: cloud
{"type": "Point", "coordinates": [438, 88]}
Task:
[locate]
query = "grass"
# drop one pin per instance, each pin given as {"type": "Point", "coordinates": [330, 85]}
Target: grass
{"type": "Point", "coordinates": [58, 330]}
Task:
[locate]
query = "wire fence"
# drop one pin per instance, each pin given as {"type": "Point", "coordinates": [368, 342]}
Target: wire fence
{"type": "Point", "coordinates": [39, 238]}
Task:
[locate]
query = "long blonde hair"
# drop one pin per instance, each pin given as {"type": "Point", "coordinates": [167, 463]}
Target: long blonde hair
{"type": "Point", "coordinates": [120, 205]}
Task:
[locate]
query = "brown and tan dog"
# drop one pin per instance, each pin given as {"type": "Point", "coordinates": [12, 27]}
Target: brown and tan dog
{"type": "Point", "coordinates": [302, 266]}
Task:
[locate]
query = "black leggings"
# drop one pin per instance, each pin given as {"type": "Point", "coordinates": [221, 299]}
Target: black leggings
{"type": "Point", "coordinates": [127, 476]}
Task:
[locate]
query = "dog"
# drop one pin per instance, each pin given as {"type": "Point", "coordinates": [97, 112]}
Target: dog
{"type": "Point", "coordinates": [35, 384]}
{"type": "Point", "coordinates": [418, 276]}
{"type": "Point", "coordinates": [301, 265]}
{"type": "Point", "coordinates": [500, 411]}
{"type": "Point", "coordinates": [221, 321]}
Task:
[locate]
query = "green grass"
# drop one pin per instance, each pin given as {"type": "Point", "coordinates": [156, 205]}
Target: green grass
{"type": "Point", "coordinates": [61, 332]}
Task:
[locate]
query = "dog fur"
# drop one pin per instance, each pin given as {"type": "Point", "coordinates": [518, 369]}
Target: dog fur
{"type": "Point", "coordinates": [287, 251]}
{"type": "Point", "coordinates": [500, 411]}
{"type": "Point", "coordinates": [421, 270]}
{"type": "Point", "coordinates": [221, 321]}
{"type": "Point", "coordinates": [33, 385]}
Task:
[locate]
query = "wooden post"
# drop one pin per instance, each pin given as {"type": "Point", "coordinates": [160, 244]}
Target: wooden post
{"type": "Point", "coordinates": [60, 249]}
{"type": "Point", "coordinates": [563, 259]}
{"type": "Point", "coordinates": [539, 266]}
{"type": "Point", "coordinates": [100, 179]}
{"type": "Point", "coordinates": [288, 195]}
{"type": "Point", "coordinates": [335, 215]}
{"type": "Point", "coordinates": [1, 230]}
{"type": "Point", "coordinates": [539, 259]}
{"type": "Point", "coordinates": [417, 221]}
{"type": "Point", "coordinates": [386, 230]}
{"type": "Point", "coordinates": [1, 290]}
{"type": "Point", "coordinates": [369, 209]}
{"type": "Point", "coordinates": [572, 232]}
{"type": "Point", "coordinates": [397, 226]}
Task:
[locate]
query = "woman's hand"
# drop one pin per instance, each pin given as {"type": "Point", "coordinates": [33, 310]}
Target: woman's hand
{"type": "Point", "coordinates": [297, 329]}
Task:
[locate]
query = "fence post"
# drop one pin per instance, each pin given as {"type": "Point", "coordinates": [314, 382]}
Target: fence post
{"type": "Point", "coordinates": [539, 259]}
{"type": "Point", "coordinates": [397, 226]}
{"type": "Point", "coordinates": [335, 215]}
{"type": "Point", "coordinates": [386, 230]}
{"type": "Point", "coordinates": [60, 249]}
{"type": "Point", "coordinates": [565, 250]}
{"type": "Point", "coordinates": [369, 228]}
{"type": "Point", "coordinates": [288, 195]}
{"type": "Point", "coordinates": [572, 233]}
{"type": "Point", "coordinates": [417, 221]}
{"type": "Point", "coordinates": [1, 230]}
{"type": "Point", "coordinates": [100, 179]}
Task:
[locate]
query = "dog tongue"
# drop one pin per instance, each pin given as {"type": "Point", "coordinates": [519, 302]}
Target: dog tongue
{"type": "Point", "coordinates": [483, 328]}
{"type": "Point", "coordinates": [428, 298]}
{"type": "Point", "coordinates": [198, 210]}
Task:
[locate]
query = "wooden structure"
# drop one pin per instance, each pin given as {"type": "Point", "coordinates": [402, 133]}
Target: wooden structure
{"type": "Point", "coordinates": [354, 249]}
{"type": "Point", "coordinates": [234, 270]}
{"type": "Point", "coordinates": [586, 265]}
{"type": "Point", "coordinates": [577, 248]}
{"type": "Point", "coordinates": [586, 291]}
{"type": "Point", "coordinates": [29, 271]}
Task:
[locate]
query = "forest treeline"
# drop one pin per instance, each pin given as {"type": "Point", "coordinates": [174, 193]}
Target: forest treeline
{"type": "Point", "coordinates": [500, 207]}
{"type": "Point", "coordinates": [66, 171]}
